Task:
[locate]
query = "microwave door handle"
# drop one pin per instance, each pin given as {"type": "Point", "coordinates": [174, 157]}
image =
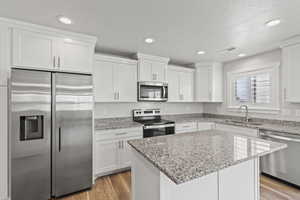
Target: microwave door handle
{"type": "Point", "coordinates": [164, 92]}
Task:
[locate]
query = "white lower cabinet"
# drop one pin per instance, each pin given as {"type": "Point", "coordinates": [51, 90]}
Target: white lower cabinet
{"type": "Point", "coordinates": [106, 156]}
{"type": "Point", "coordinates": [238, 182]}
{"type": "Point", "coordinates": [204, 126]}
{"type": "Point", "coordinates": [112, 151]}
{"type": "Point", "coordinates": [186, 127]}
{"type": "Point", "coordinates": [252, 132]}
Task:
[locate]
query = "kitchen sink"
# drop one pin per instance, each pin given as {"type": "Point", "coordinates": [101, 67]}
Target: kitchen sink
{"type": "Point", "coordinates": [244, 122]}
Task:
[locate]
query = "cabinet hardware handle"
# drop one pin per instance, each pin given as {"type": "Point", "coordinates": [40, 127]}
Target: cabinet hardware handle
{"type": "Point", "coordinates": [54, 63]}
{"type": "Point", "coordinates": [284, 94]}
{"type": "Point", "coordinates": [58, 62]}
{"type": "Point", "coordinates": [121, 133]}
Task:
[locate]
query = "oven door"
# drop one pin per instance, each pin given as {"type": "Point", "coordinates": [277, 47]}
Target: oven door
{"type": "Point", "coordinates": [159, 130]}
{"type": "Point", "coordinates": [149, 91]}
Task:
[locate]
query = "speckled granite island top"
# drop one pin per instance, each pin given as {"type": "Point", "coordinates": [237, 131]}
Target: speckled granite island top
{"type": "Point", "coordinates": [188, 156]}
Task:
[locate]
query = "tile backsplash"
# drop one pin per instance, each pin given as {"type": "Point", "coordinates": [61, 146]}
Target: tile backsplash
{"type": "Point", "coordinates": [108, 110]}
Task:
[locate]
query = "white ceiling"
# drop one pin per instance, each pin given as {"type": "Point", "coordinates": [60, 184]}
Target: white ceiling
{"type": "Point", "coordinates": [180, 27]}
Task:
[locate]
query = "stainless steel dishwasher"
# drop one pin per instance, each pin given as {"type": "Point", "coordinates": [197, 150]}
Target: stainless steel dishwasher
{"type": "Point", "coordinates": [284, 164]}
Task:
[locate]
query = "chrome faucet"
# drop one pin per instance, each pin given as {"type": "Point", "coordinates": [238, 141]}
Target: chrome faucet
{"type": "Point", "coordinates": [246, 119]}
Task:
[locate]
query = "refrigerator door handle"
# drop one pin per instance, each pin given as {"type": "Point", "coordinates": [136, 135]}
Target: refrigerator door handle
{"type": "Point", "coordinates": [59, 139]}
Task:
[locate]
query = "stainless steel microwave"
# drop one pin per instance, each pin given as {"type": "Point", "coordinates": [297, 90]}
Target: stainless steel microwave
{"type": "Point", "coordinates": [152, 91]}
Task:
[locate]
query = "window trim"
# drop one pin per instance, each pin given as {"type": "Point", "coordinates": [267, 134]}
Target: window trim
{"type": "Point", "coordinates": [272, 109]}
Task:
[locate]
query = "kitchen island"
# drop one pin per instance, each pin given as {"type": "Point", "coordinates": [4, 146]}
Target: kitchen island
{"type": "Point", "coordinates": [206, 165]}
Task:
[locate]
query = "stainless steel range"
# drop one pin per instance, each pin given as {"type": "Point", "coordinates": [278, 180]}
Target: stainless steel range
{"type": "Point", "coordinates": [51, 134]}
{"type": "Point", "coordinates": [153, 124]}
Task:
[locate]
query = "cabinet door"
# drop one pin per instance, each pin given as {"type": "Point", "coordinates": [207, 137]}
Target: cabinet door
{"type": "Point", "coordinates": [33, 50]}
{"type": "Point", "coordinates": [4, 54]}
{"type": "Point", "coordinates": [238, 182]}
{"type": "Point", "coordinates": [145, 71]}
{"type": "Point", "coordinates": [125, 154]}
{"type": "Point", "coordinates": [291, 59]}
{"type": "Point", "coordinates": [187, 86]}
{"type": "Point", "coordinates": [3, 144]}
{"type": "Point", "coordinates": [173, 86]}
{"type": "Point", "coordinates": [106, 158]}
{"type": "Point", "coordinates": [104, 81]}
{"type": "Point", "coordinates": [203, 84]}
{"type": "Point", "coordinates": [158, 71]}
{"type": "Point", "coordinates": [76, 56]}
{"type": "Point", "coordinates": [125, 77]}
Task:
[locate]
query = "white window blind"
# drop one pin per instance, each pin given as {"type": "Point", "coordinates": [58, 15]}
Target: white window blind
{"type": "Point", "coordinates": [258, 88]}
{"type": "Point", "coordinates": [254, 89]}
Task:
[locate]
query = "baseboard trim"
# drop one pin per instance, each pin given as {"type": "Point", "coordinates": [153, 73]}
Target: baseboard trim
{"type": "Point", "coordinates": [111, 172]}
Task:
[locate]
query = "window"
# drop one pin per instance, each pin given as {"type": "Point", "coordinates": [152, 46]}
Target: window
{"type": "Point", "coordinates": [257, 88]}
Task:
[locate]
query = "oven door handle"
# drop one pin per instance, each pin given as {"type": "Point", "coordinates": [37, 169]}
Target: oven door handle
{"type": "Point", "coordinates": [281, 138]}
{"type": "Point", "coordinates": [159, 126]}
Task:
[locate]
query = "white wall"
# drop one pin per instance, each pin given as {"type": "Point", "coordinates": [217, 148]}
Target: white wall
{"type": "Point", "coordinates": [107, 110]}
{"type": "Point", "coordinates": [287, 111]}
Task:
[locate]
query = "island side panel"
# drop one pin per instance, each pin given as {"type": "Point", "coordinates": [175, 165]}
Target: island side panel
{"type": "Point", "coordinates": [239, 181]}
{"type": "Point", "coordinates": [145, 178]}
{"type": "Point", "coordinates": [203, 188]}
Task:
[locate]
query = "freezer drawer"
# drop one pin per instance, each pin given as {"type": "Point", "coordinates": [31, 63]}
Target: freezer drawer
{"type": "Point", "coordinates": [283, 164]}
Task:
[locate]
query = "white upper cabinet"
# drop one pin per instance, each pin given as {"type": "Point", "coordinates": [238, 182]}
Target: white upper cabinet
{"type": "Point", "coordinates": [103, 81]}
{"type": "Point", "coordinates": [4, 54]}
{"type": "Point", "coordinates": [36, 49]}
{"type": "Point", "coordinates": [125, 81]}
{"type": "Point", "coordinates": [33, 49]}
{"type": "Point", "coordinates": [291, 72]}
{"type": "Point", "coordinates": [115, 79]}
{"type": "Point", "coordinates": [152, 68]}
{"type": "Point", "coordinates": [76, 56]}
{"type": "Point", "coordinates": [180, 84]}
{"type": "Point", "coordinates": [209, 82]}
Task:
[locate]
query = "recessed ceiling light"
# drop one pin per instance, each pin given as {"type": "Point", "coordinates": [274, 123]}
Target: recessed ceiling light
{"type": "Point", "coordinates": [200, 52]}
{"type": "Point", "coordinates": [242, 55]}
{"type": "Point", "coordinates": [68, 40]}
{"type": "Point", "coordinates": [149, 40]}
{"type": "Point", "coordinates": [273, 22]}
{"type": "Point", "coordinates": [64, 20]}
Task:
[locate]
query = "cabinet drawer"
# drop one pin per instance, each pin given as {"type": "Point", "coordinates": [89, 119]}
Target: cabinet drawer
{"type": "Point", "coordinates": [117, 134]}
{"type": "Point", "coordinates": [203, 126]}
{"type": "Point", "coordinates": [186, 127]}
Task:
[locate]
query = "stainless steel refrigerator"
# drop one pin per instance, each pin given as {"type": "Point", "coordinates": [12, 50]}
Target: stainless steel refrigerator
{"type": "Point", "coordinates": [51, 134]}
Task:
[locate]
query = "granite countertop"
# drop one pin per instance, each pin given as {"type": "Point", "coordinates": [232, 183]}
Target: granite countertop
{"type": "Point", "coordinates": [264, 124]}
{"type": "Point", "coordinates": [185, 157]}
{"type": "Point", "coordinates": [269, 125]}
{"type": "Point", "coordinates": [115, 123]}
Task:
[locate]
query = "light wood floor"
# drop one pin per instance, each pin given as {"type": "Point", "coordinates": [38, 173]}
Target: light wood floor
{"type": "Point", "coordinates": [117, 187]}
